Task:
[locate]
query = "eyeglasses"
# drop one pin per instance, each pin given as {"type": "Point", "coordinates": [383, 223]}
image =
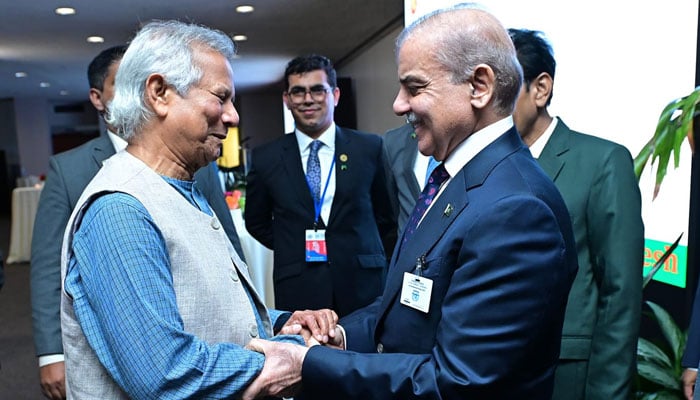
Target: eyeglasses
{"type": "Point", "coordinates": [298, 93]}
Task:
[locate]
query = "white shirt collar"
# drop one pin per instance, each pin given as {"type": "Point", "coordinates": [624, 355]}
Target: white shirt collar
{"type": "Point", "coordinates": [537, 147]}
{"type": "Point", "coordinates": [327, 138]}
{"type": "Point", "coordinates": [476, 142]}
{"type": "Point", "coordinates": [118, 143]}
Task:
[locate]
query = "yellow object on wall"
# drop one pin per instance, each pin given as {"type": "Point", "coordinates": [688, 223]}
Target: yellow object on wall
{"type": "Point", "coordinates": [230, 150]}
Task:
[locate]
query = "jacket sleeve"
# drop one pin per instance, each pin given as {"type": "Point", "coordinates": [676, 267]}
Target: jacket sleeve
{"type": "Point", "coordinates": [384, 203]}
{"type": "Point", "coordinates": [258, 211]}
{"type": "Point", "coordinates": [45, 269]}
{"type": "Point", "coordinates": [616, 238]}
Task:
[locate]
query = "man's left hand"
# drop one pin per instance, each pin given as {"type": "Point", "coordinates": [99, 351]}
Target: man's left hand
{"type": "Point", "coordinates": [281, 373]}
{"type": "Point", "coordinates": [320, 323]}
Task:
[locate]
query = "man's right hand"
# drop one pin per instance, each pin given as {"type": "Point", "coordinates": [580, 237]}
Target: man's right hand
{"type": "Point", "coordinates": [688, 378]}
{"type": "Point", "coordinates": [53, 380]}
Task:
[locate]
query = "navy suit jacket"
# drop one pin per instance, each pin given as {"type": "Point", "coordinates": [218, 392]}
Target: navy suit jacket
{"type": "Point", "coordinates": [360, 232]}
{"type": "Point", "coordinates": [69, 173]}
{"type": "Point", "coordinates": [502, 262]}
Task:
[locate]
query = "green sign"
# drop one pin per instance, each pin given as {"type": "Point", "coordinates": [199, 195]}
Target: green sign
{"type": "Point", "coordinates": [673, 271]}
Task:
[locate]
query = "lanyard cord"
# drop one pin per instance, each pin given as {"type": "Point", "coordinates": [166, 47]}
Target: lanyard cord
{"type": "Point", "coordinates": [318, 204]}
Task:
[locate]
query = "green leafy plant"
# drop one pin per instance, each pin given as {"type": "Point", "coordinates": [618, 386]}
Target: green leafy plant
{"type": "Point", "coordinates": [674, 126]}
{"type": "Point", "coordinates": [659, 368]}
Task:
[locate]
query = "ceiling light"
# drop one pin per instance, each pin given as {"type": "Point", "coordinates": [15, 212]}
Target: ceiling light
{"type": "Point", "coordinates": [244, 9]}
{"type": "Point", "coordinates": [44, 84]}
{"type": "Point", "coordinates": [65, 11]}
{"type": "Point", "coordinates": [239, 38]}
{"type": "Point", "coordinates": [95, 39]}
{"type": "Point", "coordinates": [64, 93]}
{"type": "Point", "coordinates": [20, 74]}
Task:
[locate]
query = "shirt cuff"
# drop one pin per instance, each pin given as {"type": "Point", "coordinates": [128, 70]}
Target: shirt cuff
{"type": "Point", "coordinates": [50, 359]}
{"type": "Point", "coordinates": [345, 338]}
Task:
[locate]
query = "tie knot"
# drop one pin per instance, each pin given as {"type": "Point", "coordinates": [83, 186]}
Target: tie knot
{"type": "Point", "coordinates": [439, 175]}
{"type": "Point", "coordinates": [315, 145]}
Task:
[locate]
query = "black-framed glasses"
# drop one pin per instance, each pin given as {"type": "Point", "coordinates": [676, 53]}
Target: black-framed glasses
{"type": "Point", "coordinates": [318, 93]}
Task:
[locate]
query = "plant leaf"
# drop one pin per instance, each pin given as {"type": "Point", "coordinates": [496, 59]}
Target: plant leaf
{"type": "Point", "coordinates": [672, 128]}
{"type": "Point", "coordinates": [670, 330]}
{"type": "Point", "coordinates": [648, 351]}
{"type": "Point", "coordinates": [659, 375]}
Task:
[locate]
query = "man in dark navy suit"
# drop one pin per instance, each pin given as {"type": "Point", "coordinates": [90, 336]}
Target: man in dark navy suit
{"type": "Point", "coordinates": [477, 287]}
{"type": "Point", "coordinates": [321, 186]}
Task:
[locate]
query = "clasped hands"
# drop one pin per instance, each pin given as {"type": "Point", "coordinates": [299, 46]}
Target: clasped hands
{"type": "Point", "coordinates": [281, 373]}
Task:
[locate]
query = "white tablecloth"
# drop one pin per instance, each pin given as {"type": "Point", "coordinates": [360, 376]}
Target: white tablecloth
{"type": "Point", "coordinates": [24, 204]}
{"type": "Point", "coordinates": [259, 260]}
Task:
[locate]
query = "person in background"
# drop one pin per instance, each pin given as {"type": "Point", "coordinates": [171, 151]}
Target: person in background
{"type": "Point", "coordinates": [409, 169]}
{"type": "Point", "coordinates": [476, 291]}
{"type": "Point", "coordinates": [156, 302]}
{"type": "Point", "coordinates": [318, 197]}
{"type": "Point", "coordinates": [597, 180]}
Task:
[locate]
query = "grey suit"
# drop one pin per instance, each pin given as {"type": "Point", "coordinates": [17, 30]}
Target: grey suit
{"type": "Point", "coordinates": [401, 148]}
{"type": "Point", "coordinates": [69, 173]}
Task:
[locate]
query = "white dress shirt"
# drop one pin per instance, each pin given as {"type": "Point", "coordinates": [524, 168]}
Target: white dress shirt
{"type": "Point", "coordinates": [325, 156]}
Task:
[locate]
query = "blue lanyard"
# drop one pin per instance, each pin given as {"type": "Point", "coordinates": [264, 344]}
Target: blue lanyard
{"type": "Point", "coordinates": [318, 204]}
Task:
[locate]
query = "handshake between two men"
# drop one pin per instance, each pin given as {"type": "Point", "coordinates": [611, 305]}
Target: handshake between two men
{"type": "Point", "coordinates": [281, 374]}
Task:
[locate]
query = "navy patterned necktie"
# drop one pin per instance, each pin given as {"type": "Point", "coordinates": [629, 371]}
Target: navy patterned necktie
{"type": "Point", "coordinates": [313, 170]}
{"type": "Point", "coordinates": [437, 177]}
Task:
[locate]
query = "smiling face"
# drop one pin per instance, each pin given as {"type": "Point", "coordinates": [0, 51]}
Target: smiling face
{"type": "Point", "coordinates": [438, 109]}
{"type": "Point", "coordinates": [202, 116]}
{"type": "Point", "coordinates": [311, 116]}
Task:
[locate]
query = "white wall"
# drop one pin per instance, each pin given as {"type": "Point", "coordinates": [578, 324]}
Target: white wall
{"type": "Point", "coordinates": [375, 83]}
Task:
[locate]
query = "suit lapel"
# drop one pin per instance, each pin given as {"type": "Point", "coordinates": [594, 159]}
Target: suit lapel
{"type": "Point", "coordinates": [102, 150]}
{"type": "Point", "coordinates": [446, 209]}
{"type": "Point", "coordinates": [343, 145]}
{"type": "Point", "coordinates": [553, 155]}
{"type": "Point", "coordinates": [296, 181]}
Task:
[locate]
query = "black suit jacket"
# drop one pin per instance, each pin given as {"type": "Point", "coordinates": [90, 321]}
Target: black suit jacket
{"type": "Point", "coordinates": [361, 230]}
{"type": "Point", "coordinates": [69, 173]}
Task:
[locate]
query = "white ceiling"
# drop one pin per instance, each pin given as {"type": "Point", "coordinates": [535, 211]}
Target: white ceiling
{"type": "Point", "coordinates": [52, 48]}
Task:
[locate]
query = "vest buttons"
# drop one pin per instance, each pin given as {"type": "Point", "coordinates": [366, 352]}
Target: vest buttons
{"type": "Point", "coordinates": [234, 275]}
{"type": "Point", "coordinates": [380, 348]}
{"type": "Point", "coordinates": [253, 331]}
{"type": "Point", "coordinates": [215, 224]}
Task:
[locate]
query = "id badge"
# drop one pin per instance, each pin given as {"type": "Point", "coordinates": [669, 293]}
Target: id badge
{"type": "Point", "coordinates": [316, 245]}
{"type": "Point", "coordinates": [416, 291]}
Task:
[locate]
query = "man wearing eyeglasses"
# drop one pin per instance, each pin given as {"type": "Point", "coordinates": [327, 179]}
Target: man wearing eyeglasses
{"type": "Point", "coordinates": [318, 197]}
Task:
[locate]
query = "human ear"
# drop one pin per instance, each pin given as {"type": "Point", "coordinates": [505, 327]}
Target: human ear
{"type": "Point", "coordinates": [542, 86]}
{"type": "Point", "coordinates": [158, 94]}
{"type": "Point", "coordinates": [482, 85]}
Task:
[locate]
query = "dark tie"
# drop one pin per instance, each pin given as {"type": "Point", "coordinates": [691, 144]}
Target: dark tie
{"type": "Point", "coordinates": [432, 163]}
{"type": "Point", "coordinates": [437, 177]}
{"type": "Point", "coordinates": [313, 170]}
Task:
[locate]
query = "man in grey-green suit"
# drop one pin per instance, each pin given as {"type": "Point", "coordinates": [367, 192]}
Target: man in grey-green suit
{"type": "Point", "coordinates": [596, 179]}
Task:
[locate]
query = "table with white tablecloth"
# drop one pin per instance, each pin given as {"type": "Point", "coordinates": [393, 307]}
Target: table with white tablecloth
{"type": "Point", "coordinates": [259, 259]}
{"type": "Point", "coordinates": [25, 201]}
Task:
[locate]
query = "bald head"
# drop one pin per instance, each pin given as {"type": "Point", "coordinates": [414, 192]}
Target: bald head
{"type": "Point", "coordinates": [464, 36]}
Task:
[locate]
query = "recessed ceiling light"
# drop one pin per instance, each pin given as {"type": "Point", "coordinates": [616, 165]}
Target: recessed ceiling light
{"type": "Point", "coordinates": [245, 9]}
{"type": "Point", "coordinates": [20, 74]}
{"type": "Point", "coordinates": [95, 39]}
{"type": "Point", "coordinates": [65, 11]}
{"type": "Point", "coordinates": [239, 38]}
{"type": "Point", "coordinates": [64, 93]}
{"type": "Point", "coordinates": [44, 84]}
